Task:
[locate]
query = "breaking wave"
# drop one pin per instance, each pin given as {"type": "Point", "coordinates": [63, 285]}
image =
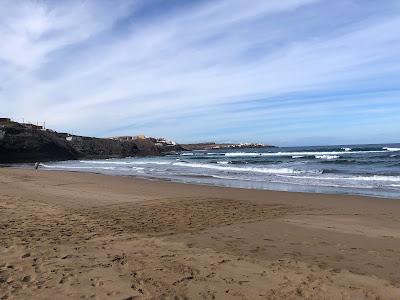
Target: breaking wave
{"type": "Point", "coordinates": [240, 169]}
{"type": "Point", "coordinates": [301, 153]}
{"type": "Point", "coordinates": [106, 162]}
{"type": "Point", "coordinates": [392, 149]}
{"type": "Point", "coordinates": [356, 178]}
{"type": "Point", "coordinates": [63, 167]}
{"type": "Point", "coordinates": [366, 169]}
{"type": "Point", "coordinates": [327, 157]}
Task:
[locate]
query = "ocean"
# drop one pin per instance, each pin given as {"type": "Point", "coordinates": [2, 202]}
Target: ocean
{"type": "Point", "coordinates": [372, 170]}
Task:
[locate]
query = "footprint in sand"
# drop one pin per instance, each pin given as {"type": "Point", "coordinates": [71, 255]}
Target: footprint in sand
{"type": "Point", "coordinates": [96, 282]}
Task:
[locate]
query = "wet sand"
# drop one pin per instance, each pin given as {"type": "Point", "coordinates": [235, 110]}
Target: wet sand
{"type": "Point", "coordinates": [67, 235]}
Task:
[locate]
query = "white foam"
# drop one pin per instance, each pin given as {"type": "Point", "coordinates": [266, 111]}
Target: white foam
{"type": "Point", "coordinates": [327, 157]}
{"type": "Point", "coordinates": [73, 167]}
{"type": "Point", "coordinates": [255, 154]}
{"type": "Point", "coordinates": [150, 163]}
{"type": "Point", "coordinates": [61, 167]}
{"type": "Point", "coordinates": [392, 149]}
{"type": "Point", "coordinates": [233, 154]}
{"type": "Point", "coordinates": [239, 169]}
{"type": "Point", "coordinates": [223, 162]}
{"type": "Point", "coordinates": [355, 178]}
{"type": "Point", "coordinates": [105, 162]}
{"type": "Point", "coordinates": [380, 178]}
{"type": "Point", "coordinates": [225, 177]}
{"type": "Point", "coordinates": [297, 156]}
{"type": "Point", "coordinates": [346, 149]}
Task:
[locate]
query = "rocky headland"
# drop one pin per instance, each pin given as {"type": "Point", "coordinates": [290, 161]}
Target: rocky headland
{"type": "Point", "coordinates": [25, 143]}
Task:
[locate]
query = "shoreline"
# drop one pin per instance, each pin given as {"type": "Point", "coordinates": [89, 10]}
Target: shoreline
{"type": "Point", "coordinates": [77, 234]}
{"type": "Point", "coordinates": [211, 185]}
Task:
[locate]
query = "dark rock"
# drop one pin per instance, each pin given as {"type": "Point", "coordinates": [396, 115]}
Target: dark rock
{"type": "Point", "coordinates": [23, 144]}
{"type": "Point", "coordinates": [20, 144]}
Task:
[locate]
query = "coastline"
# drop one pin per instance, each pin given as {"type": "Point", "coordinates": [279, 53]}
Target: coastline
{"type": "Point", "coordinates": [82, 234]}
{"type": "Point", "coordinates": [368, 170]}
{"type": "Point", "coordinates": [167, 180]}
{"type": "Point", "coordinates": [333, 191]}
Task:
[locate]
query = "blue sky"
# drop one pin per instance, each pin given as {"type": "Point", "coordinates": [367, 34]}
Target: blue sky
{"type": "Point", "coordinates": [287, 72]}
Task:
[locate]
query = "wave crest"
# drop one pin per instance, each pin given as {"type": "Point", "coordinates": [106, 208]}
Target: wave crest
{"type": "Point", "coordinates": [239, 169]}
{"type": "Point", "coordinates": [392, 149]}
{"type": "Point", "coordinates": [327, 157]}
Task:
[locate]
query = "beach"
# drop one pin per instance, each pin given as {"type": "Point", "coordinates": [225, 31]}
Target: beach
{"type": "Point", "coordinates": [71, 235]}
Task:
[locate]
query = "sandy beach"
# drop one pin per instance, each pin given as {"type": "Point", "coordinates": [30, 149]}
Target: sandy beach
{"type": "Point", "coordinates": [67, 235]}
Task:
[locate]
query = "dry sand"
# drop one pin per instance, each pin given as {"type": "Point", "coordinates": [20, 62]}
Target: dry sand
{"type": "Point", "coordinates": [87, 236]}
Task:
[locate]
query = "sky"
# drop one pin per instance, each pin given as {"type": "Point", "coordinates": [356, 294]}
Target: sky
{"type": "Point", "coordinates": [287, 72]}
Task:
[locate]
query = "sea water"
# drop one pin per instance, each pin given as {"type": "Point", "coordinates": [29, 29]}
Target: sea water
{"type": "Point", "coordinates": [372, 170]}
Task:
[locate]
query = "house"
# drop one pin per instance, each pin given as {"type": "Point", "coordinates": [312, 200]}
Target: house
{"type": "Point", "coordinates": [73, 138]}
{"type": "Point", "coordinates": [32, 126]}
{"type": "Point", "coordinates": [122, 138]}
{"type": "Point", "coordinates": [5, 120]}
{"type": "Point", "coordinates": [139, 137]}
{"type": "Point", "coordinates": [129, 138]}
{"type": "Point", "coordinates": [166, 142]}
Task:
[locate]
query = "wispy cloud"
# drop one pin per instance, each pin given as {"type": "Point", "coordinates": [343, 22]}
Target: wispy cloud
{"type": "Point", "coordinates": [274, 71]}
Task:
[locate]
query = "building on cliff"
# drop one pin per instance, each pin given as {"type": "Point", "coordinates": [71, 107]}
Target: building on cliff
{"type": "Point", "coordinates": [5, 120]}
{"type": "Point", "coordinates": [164, 141]}
{"type": "Point", "coordinates": [129, 138]}
{"type": "Point", "coordinates": [32, 126]}
{"type": "Point", "coordinates": [73, 138]}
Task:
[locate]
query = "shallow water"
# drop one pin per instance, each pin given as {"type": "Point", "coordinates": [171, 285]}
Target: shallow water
{"type": "Point", "coordinates": [372, 170]}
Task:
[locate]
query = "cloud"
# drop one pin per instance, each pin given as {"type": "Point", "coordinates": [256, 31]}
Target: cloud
{"type": "Point", "coordinates": [201, 70]}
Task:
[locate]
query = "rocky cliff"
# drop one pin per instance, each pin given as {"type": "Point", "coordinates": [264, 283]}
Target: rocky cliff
{"type": "Point", "coordinates": [21, 143]}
